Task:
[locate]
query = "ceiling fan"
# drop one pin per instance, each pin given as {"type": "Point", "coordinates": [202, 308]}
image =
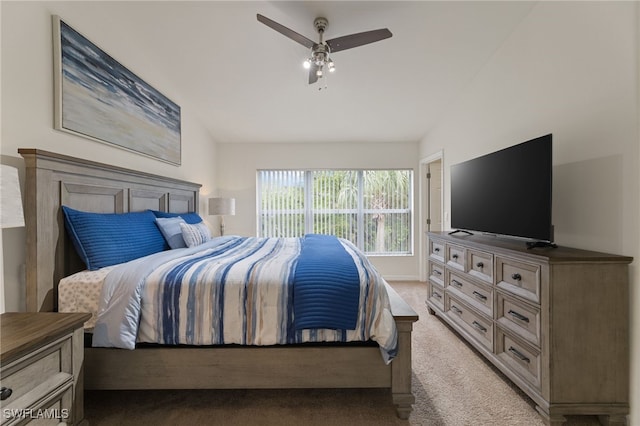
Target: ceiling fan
{"type": "Point", "coordinates": [320, 51]}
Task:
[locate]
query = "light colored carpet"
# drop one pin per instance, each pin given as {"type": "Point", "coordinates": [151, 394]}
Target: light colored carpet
{"type": "Point", "coordinates": [453, 386]}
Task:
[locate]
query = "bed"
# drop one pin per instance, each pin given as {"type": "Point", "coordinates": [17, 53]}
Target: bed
{"type": "Point", "coordinates": [54, 180]}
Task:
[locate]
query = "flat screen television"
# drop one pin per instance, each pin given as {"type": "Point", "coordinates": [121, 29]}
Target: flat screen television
{"type": "Point", "coordinates": [507, 192]}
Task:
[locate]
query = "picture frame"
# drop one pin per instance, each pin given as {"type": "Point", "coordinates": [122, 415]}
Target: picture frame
{"type": "Point", "coordinates": [98, 98]}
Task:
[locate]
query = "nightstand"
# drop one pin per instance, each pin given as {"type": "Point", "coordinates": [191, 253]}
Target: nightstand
{"type": "Point", "coordinates": [41, 362]}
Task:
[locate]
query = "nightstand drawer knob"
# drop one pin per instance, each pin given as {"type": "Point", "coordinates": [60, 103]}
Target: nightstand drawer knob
{"type": "Point", "coordinates": [5, 393]}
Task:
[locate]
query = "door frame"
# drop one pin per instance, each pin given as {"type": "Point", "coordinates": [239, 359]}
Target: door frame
{"type": "Point", "coordinates": [424, 207]}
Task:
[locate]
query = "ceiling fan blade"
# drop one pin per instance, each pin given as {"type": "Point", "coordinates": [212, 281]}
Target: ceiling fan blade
{"type": "Point", "coordinates": [313, 74]}
{"type": "Point", "coordinates": [359, 39]}
{"type": "Point", "coordinates": [286, 31]}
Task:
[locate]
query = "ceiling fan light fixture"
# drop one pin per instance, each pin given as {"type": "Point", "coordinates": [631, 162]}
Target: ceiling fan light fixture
{"type": "Point", "coordinates": [321, 50]}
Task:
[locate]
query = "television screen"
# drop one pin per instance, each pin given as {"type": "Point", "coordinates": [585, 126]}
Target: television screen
{"type": "Point", "coordinates": [507, 192]}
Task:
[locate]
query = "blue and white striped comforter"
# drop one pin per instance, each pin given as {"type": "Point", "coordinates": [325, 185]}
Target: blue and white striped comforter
{"type": "Point", "coordinates": [230, 290]}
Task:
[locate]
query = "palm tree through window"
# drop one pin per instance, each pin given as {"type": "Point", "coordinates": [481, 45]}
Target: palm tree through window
{"type": "Point", "coordinates": [370, 208]}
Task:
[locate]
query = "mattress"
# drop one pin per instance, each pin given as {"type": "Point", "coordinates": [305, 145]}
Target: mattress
{"type": "Point", "coordinates": [236, 290]}
{"type": "Point", "coordinates": [80, 292]}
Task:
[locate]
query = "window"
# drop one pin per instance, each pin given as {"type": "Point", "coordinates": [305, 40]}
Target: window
{"type": "Point", "coordinates": [370, 208]}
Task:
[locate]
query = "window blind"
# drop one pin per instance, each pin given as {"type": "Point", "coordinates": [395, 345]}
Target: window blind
{"type": "Point", "coordinates": [370, 208]}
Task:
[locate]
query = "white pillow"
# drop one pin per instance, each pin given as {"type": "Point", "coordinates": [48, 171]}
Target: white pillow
{"type": "Point", "coordinates": [196, 234]}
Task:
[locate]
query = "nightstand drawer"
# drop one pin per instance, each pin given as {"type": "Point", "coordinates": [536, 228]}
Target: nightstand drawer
{"type": "Point", "coordinates": [49, 404]}
{"type": "Point", "coordinates": [519, 278]}
{"type": "Point", "coordinates": [39, 367]}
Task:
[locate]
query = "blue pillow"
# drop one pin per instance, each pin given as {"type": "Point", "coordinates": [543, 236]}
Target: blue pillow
{"type": "Point", "coordinates": [170, 228]}
{"type": "Point", "coordinates": [105, 239]}
{"type": "Point", "coordinates": [190, 218]}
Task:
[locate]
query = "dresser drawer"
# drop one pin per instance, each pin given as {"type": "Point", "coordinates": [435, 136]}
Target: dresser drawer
{"type": "Point", "coordinates": [27, 373]}
{"type": "Point", "coordinates": [455, 257]}
{"type": "Point", "coordinates": [475, 324]}
{"type": "Point", "coordinates": [520, 318]}
{"type": "Point", "coordinates": [436, 250]}
{"type": "Point", "coordinates": [476, 295]}
{"type": "Point", "coordinates": [436, 273]}
{"type": "Point", "coordinates": [520, 278]}
{"type": "Point", "coordinates": [522, 359]}
{"type": "Point", "coordinates": [436, 295]}
{"type": "Point", "coordinates": [481, 265]}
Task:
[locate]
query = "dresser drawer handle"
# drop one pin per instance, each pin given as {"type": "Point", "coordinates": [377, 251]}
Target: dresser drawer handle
{"type": "Point", "coordinates": [516, 276]}
{"type": "Point", "coordinates": [455, 309]}
{"type": "Point", "coordinates": [455, 256]}
{"type": "Point", "coordinates": [480, 265]}
{"type": "Point", "coordinates": [436, 294]}
{"type": "Point", "coordinates": [5, 393]}
{"type": "Point", "coordinates": [456, 283]}
{"type": "Point", "coordinates": [436, 249]}
{"type": "Point", "coordinates": [479, 295]}
{"type": "Point", "coordinates": [479, 326]}
{"type": "Point", "coordinates": [436, 272]}
{"type": "Point", "coordinates": [518, 316]}
{"type": "Point", "coordinates": [519, 355]}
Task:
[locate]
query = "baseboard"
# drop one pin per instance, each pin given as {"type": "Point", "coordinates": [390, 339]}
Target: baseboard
{"type": "Point", "coordinates": [401, 278]}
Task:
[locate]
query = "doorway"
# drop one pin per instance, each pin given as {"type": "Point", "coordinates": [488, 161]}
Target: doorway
{"type": "Point", "coordinates": [434, 196]}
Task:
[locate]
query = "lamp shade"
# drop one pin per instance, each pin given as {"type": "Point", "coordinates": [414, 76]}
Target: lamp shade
{"type": "Point", "coordinates": [11, 214]}
{"type": "Point", "coordinates": [222, 206]}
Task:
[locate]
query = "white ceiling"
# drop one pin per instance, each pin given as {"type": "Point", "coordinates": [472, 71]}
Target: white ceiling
{"type": "Point", "coordinates": [246, 83]}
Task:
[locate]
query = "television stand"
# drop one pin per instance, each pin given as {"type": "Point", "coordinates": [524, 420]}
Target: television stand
{"type": "Point", "coordinates": [555, 322]}
{"type": "Point", "coordinates": [460, 230]}
{"type": "Point", "coordinates": [534, 244]}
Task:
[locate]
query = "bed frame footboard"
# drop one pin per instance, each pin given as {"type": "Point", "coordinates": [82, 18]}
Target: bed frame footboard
{"type": "Point", "coordinates": [255, 367]}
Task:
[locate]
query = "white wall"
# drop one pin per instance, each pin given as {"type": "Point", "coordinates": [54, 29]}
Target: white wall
{"type": "Point", "coordinates": [571, 69]}
{"type": "Point", "coordinates": [236, 175]}
{"type": "Point", "coordinates": [27, 110]}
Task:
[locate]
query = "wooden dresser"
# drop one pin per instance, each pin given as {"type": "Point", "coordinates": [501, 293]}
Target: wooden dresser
{"type": "Point", "coordinates": [41, 360]}
{"type": "Point", "coordinates": [553, 320]}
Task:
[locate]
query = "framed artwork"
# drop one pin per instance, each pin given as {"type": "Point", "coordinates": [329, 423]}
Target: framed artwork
{"type": "Point", "coordinates": [98, 98]}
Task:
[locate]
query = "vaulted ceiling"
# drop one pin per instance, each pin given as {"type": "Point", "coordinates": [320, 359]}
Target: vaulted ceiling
{"type": "Point", "coordinates": [246, 83]}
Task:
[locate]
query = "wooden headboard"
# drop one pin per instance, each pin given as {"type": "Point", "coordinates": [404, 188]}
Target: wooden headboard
{"type": "Point", "coordinates": [53, 180]}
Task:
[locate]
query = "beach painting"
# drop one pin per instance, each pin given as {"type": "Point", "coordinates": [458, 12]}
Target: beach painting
{"type": "Point", "coordinates": [98, 98]}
